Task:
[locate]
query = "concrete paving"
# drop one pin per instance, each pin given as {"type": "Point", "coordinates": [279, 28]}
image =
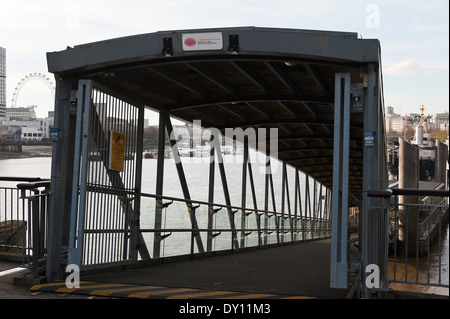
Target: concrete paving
{"type": "Point", "coordinates": [291, 270]}
{"type": "Point", "coordinates": [9, 270]}
{"type": "Point", "coordinates": [300, 270]}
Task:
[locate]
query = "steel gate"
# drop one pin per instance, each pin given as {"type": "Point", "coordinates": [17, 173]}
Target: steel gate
{"type": "Point", "coordinates": [106, 179]}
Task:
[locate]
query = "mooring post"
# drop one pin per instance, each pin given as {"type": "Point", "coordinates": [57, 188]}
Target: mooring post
{"type": "Point", "coordinates": [408, 173]}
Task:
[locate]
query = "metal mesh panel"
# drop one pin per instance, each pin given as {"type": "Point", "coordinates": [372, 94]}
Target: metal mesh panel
{"type": "Point", "coordinates": [108, 193]}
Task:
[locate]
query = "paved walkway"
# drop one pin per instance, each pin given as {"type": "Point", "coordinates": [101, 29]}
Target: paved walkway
{"type": "Point", "coordinates": [301, 270]}
{"type": "Point", "coordinates": [292, 271]}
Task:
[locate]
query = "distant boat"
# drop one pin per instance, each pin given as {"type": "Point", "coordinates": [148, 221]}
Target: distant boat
{"type": "Point", "coordinates": [148, 155]}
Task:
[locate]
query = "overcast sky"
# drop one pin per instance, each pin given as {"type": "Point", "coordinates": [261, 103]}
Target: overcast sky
{"type": "Point", "coordinates": [414, 36]}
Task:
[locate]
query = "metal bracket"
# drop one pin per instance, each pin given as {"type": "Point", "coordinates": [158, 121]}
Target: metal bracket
{"type": "Point", "coordinates": [214, 211]}
{"type": "Point", "coordinates": [167, 204]}
{"type": "Point", "coordinates": [233, 46]}
{"type": "Point", "coordinates": [64, 250]}
{"type": "Point", "coordinates": [357, 97]}
{"type": "Point", "coordinates": [167, 47]}
{"type": "Point", "coordinates": [73, 102]}
{"type": "Point", "coordinates": [355, 271]}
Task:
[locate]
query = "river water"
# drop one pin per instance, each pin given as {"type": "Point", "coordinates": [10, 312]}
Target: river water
{"type": "Point", "coordinates": [197, 176]}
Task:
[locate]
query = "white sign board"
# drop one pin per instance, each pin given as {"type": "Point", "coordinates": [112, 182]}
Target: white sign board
{"type": "Point", "coordinates": [369, 138]}
{"type": "Point", "coordinates": [202, 41]}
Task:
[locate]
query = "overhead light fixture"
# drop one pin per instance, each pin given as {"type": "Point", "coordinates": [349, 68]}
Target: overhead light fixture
{"type": "Point", "coordinates": [289, 63]}
{"type": "Point", "coordinates": [233, 46]}
{"type": "Point", "coordinates": [167, 47]}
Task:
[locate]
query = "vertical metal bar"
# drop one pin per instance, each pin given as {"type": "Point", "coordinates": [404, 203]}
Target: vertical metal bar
{"type": "Point", "coordinates": [77, 163]}
{"type": "Point", "coordinates": [104, 107]}
{"type": "Point", "coordinates": [79, 179]}
{"type": "Point", "coordinates": [417, 245]}
{"type": "Point", "coordinates": [406, 248]}
{"type": "Point", "coordinates": [395, 234]}
{"type": "Point", "coordinates": [35, 232]}
{"type": "Point", "coordinates": [327, 212]}
{"type": "Point", "coordinates": [212, 169]}
{"type": "Point", "coordinates": [83, 177]}
{"type": "Point", "coordinates": [274, 207]}
{"type": "Point", "coordinates": [320, 219]}
{"type": "Point", "coordinates": [135, 220]}
{"type": "Point", "coordinates": [118, 240]}
{"type": "Point", "coordinates": [102, 104]}
{"type": "Point", "coordinates": [159, 186]}
{"type": "Point", "coordinates": [244, 192]}
{"type": "Point", "coordinates": [283, 196]}
{"type": "Point", "coordinates": [296, 202]}
{"type": "Point", "coordinates": [61, 180]}
{"type": "Point", "coordinates": [288, 200]}
{"type": "Point", "coordinates": [266, 200]}
{"type": "Point", "coordinates": [192, 212]}
{"type": "Point", "coordinates": [440, 246]}
{"type": "Point", "coordinates": [314, 209]}
{"type": "Point", "coordinates": [339, 267]}
{"type": "Point", "coordinates": [307, 206]}
{"type": "Point", "coordinates": [372, 174]}
{"type": "Point", "coordinates": [428, 244]}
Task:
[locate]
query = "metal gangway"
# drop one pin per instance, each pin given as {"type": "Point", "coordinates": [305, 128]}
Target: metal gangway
{"type": "Point", "coordinates": [312, 100]}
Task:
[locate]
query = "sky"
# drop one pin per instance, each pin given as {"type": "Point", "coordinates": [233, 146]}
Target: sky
{"type": "Point", "coordinates": [414, 36]}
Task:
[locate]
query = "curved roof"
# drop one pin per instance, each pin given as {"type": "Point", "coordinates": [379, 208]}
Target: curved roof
{"type": "Point", "coordinates": [239, 77]}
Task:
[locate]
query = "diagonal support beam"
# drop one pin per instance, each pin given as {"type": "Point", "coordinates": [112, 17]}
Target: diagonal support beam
{"type": "Point", "coordinates": [184, 186]}
{"type": "Point", "coordinates": [218, 151]}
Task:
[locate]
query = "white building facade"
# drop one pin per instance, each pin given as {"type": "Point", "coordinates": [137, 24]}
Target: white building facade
{"type": "Point", "coordinates": [397, 123]}
{"type": "Point", "coordinates": [32, 130]}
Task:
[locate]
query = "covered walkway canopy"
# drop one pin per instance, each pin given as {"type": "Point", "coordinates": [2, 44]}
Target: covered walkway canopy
{"type": "Point", "coordinates": [322, 90]}
{"type": "Point", "coordinates": [240, 77]}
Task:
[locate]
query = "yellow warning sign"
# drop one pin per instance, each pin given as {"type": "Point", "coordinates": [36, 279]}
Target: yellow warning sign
{"type": "Point", "coordinates": [116, 151]}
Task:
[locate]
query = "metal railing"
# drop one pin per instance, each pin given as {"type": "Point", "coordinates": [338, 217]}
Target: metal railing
{"type": "Point", "coordinates": [192, 227]}
{"type": "Point", "coordinates": [418, 242]}
{"type": "Point", "coordinates": [257, 228]}
{"type": "Point", "coordinates": [23, 220]}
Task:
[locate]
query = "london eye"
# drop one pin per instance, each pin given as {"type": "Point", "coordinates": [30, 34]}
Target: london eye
{"type": "Point", "coordinates": [27, 79]}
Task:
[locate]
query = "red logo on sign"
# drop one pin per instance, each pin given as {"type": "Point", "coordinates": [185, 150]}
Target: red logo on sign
{"type": "Point", "coordinates": [190, 42]}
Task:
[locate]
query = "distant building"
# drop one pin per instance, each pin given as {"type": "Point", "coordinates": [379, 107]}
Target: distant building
{"type": "Point", "coordinates": [440, 121]}
{"type": "Point", "coordinates": [397, 123]}
{"type": "Point", "coordinates": [10, 133]}
{"type": "Point", "coordinates": [2, 82]}
{"type": "Point", "coordinates": [21, 113]}
{"type": "Point", "coordinates": [394, 122]}
{"type": "Point", "coordinates": [31, 130]}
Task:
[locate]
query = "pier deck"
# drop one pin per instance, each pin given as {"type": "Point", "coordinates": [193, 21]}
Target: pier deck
{"type": "Point", "coordinates": [270, 272]}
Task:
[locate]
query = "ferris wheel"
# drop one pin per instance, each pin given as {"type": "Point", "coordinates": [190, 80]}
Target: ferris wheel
{"type": "Point", "coordinates": [31, 77]}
